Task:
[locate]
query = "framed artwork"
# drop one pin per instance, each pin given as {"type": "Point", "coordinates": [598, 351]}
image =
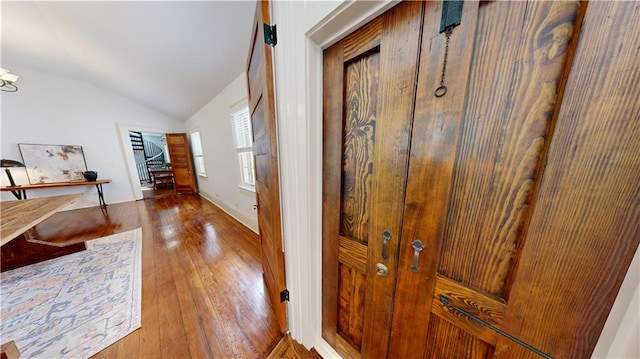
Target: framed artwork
{"type": "Point", "coordinates": [53, 163]}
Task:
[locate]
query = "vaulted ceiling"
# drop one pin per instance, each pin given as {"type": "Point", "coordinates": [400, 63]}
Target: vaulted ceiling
{"type": "Point", "coordinates": [171, 56]}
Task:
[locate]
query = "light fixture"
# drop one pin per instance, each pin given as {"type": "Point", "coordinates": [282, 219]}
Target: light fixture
{"type": "Point", "coordinates": [7, 81]}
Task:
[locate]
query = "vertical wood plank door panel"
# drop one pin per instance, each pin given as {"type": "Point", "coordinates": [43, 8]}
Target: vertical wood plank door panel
{"type": "Point", "coordinates": [369, 91]}
{"type": "Point", "coordinates": [181, 163]}
{"type": "Point", "coordinates": [265, 153]}
{"type": "Point", "coordinates": [522, 182]}
{"type": "Point", "coordinates": [585, 227]}
{"type": "Point", "coordinates": [436, 130]}
{"type": "Point", "coordinates": [512, 60]}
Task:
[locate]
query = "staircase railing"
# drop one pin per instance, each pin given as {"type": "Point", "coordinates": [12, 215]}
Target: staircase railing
{"type": "Point", "coordinates": [143, 174]}
{"type": "Point", "coordinates": [148, 156]}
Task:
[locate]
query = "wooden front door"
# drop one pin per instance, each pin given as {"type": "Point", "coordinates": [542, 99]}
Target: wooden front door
{"type": "Point", "coordinates": [369, 91]}
{"type": "Point", "coordinates": [265, 152]}
{"type": "Point", "coordinates": [519, 198]}
{"type": "Point", "coordinates": [181, 163]}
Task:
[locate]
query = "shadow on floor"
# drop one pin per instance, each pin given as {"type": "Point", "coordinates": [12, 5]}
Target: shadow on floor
{"type": "Point", "coordinates": [149, 192]}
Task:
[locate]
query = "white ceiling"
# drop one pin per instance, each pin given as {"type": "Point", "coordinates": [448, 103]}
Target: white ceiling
{"type": "Point", "coordinates": [171, 56]}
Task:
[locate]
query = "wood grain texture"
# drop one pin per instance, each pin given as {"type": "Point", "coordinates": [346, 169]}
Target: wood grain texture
{"type": "Point", "coordinates": [9, 350]}
{"type": "Point", "coordinates": [353, 254]}
{"type": "Point", "coordinates": [435, 135]}
{"type": "Point", "coordinates": [203, 294]}
{"type": "Point", "coordinates": [519, 58]}
{"type": "Point", "coordinates": [288, 348]}
{"type": "Point", "coordinates": [332, 106]}
{"type": "Point", "coordinates": [351, 305]}
{"type": "Point", "coordinates": [360, 115]}
{"type": "Point", "coordinates": [96, 224]}
{"type": "Point", "coordinates": [359, 131]}
{"type": "Point", "coordinates": [346, 348]}
{"type": "Point", "coordinates": [586, 224]}
{"type": "Point", "coordinates": [53, 185]}
{"type": "Point", "coordinates": [181, 163]}
{"type": "Point", "coordinates": [19, 216]}
{"type": "Point", "coordinates": [363, 41]}
{"type": "Point", "coordinates": [388, 102]}
{"type": "Point", "coordinates": [20, 252]}
{"type": "Point", "coordinates": [255, 65]}
{"type": "Point", "coordinates": [399, 53]}
{"type": "Point", "coordinates": [361, 103]}
{"type": "Point", "coordinates": [482, 305]}
{"type": "Point", "coordinates": [265, 150]}
{"type": "Point", "coordinates": [161, 178]}
{"type": "Point", "coordinates": [451, 342]}
{"type": "Point", "coordinates": [522, 181]}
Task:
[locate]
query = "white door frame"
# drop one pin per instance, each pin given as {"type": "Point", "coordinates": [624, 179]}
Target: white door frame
{"type": "Point", "coordinates": [127, 153]}
{"type": "Point", "coordinates": [304, 30]}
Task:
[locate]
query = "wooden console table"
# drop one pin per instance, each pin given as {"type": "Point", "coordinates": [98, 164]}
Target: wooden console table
{"type": "Point", "coordinates": [162, 178]}
{"type": "Point", "coordinates": [20, 192]}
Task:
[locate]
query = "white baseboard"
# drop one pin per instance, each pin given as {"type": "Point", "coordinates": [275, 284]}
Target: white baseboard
{"type": "Point", "coordinates": [231, 210]}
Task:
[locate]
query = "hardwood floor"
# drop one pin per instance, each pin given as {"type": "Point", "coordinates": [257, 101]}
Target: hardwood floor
{"type": "Point", "coordinates": [202, 290]}
{"type": "Point", "coordinates": [149, 192]}
{"type": "Point", "coordinates": [290, 349]}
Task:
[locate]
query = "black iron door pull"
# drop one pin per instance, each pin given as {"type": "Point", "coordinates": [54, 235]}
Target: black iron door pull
{"type": "Point", "coordinates": [386, 236]}
{"type": "Point", "coordinates": [447, 303]}
{"type": "Point", "coordinates": [417, 248]}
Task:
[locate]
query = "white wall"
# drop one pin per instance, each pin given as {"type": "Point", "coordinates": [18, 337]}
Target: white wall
{"type": "Point", "coordinates": [619, 338]}
{"type": "Point", "coordinates": [49, 109]}
{"type": "Point", "coordinates": [223, 177]}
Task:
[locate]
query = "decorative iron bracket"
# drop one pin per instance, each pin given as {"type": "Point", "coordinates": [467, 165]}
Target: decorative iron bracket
{"type": "Point", "coordinates": [448, 304]}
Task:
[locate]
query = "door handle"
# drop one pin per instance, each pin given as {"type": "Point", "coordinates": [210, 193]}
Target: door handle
{"type": "Point", "coordinates": [417, 248]}
{"type": "Point", "coordinates": [386, 237]}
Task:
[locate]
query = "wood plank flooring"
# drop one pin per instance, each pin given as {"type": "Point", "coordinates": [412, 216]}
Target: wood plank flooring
{"type": "Point", "coordinates": [203, 294]}
{"type": "Point", "coordinates": [288, 348]}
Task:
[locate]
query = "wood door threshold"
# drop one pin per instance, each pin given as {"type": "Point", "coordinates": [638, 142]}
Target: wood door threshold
{"type": "Point", "coordinates": [290, 349]}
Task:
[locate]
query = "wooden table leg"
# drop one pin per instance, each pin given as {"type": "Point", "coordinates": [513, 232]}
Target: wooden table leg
{"type": "Point", "coordinates": [10, 351]}
{"type": "Point", "coordinates": [101, 195]}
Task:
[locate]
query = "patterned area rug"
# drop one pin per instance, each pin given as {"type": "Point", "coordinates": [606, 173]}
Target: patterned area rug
{"type": "Point", "coordinates": [75, 306]}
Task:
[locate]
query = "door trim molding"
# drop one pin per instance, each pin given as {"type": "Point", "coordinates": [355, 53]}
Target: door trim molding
{"type": "Point", "coordinates": [305, 29]}
{"type": "Point", "coordinates": [127, 152]}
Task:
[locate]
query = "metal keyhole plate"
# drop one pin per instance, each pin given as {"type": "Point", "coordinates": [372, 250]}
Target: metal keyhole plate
{"type": "Point", "coordinates": [381, 270]}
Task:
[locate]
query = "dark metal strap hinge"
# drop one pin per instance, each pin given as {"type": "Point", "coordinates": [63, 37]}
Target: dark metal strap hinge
{"type": "Point", "coordinates": [270, 35]}
{"type": "Point", "coordinates": [284, 296]}
{"type": "Point", "coordinates": [451, 14]}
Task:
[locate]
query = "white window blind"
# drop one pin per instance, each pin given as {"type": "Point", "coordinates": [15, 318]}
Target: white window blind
{"type": "Point", "coordinates": [198, 155]}
{"type": "Point", "coordinates": [244, 147]}
{"type": "Point", "coordinates": [242, 125]}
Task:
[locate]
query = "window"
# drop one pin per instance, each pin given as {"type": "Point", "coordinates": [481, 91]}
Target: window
{"type": "Point", "coordinates": [244, 147]}
{"type": "Point", "coordinates": [198, 156]}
